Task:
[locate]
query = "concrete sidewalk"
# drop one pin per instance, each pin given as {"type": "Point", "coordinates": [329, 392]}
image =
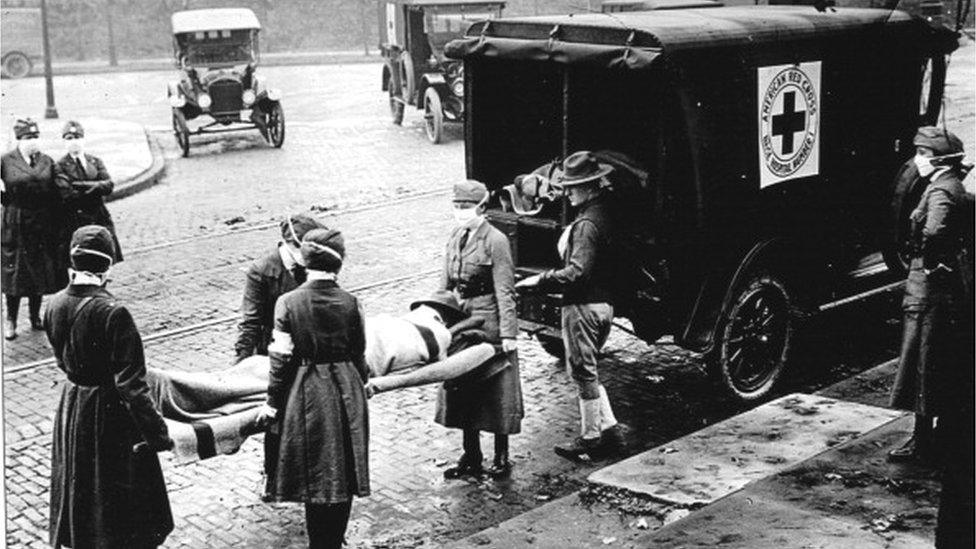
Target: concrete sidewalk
{"type": "Point", "coordinates": [132, 156]}
{"type": "Point", "coordinates": [803, 470]}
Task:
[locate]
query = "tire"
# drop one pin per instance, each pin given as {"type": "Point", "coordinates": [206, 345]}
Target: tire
{"type": "Point", "coordinates": [181, 132]}
{"type": "Point", "coordinates": [433, 116]}
{"type": "Point", "coordinates": [396, 101]}
{"type": "Point", "coordinates": [754, 340]}
{"type": "Point", "coordinates": [407, 85]}
{"type": "Point", "coordinates": [905, 197]}
{"type": "Point", "coordinates": [16, 65]}
{"type": "Point", "coordinates": [276, 126]}
{"type": "Point", "coordinates": [552, 345]}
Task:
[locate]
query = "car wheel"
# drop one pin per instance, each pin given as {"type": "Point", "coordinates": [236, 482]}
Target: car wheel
{"type": "Point", "coordinates": [755, 339]}
{"type": "Point", "coordinates": [552, 345]}
{"type": "Point", "coordinates": [16, 65]}
{"type": "Point", "coordinates": [181, 132]}
{"type": "Point", "coordinates": [905, 197]}
{"type": "Point", "coordinates": [276, 126]}
{"type": "Point", "coordinates": [433, 116]}
{"type": "Point", "coordinates": [396, 101]}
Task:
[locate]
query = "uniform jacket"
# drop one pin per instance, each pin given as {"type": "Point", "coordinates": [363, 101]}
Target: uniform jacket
{"type": "Point", "coordinates": [35, 256]}
{"type": "Point", "coordinates": [267, 280]}
{"type": "Point", "coordinates": [588, 272]}
{"type": "Point", "coordinates": [84, 192]}
{"type": "Point", "coordinates": [316, 382]}
{"type": "Point", "coordinates": [494, 405]}
{"type": "Point", "coordinates": [102, 494]}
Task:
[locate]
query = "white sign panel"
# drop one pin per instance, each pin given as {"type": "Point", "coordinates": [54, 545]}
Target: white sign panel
{"type": "Point", "coordinates": [789, 122]}
{"type": "Point", "coordinates": [391, 33]}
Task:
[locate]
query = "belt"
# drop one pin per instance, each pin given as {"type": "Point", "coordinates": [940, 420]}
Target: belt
{"type": "Point", "coordinates": [467, 290]}
{"type": "Point", "coordinates": [87, 381]}
{"type": "Point", "coordinates": [433, 349]}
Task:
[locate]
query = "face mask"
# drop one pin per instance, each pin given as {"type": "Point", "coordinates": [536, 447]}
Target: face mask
{"type": "Point", "coordinates": [924, 165]}
{"type": "Point", "coordinates": [75, 146]}
{"type": "Point", "coordinates": [295, 255]}
{"type": "Point", "coordinates": [466, 215]}
{"type": "Point", "coordinates": [28, 146]}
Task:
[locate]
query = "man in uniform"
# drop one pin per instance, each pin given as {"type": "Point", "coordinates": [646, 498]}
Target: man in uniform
{"type": "Point", "coordinates": [586, 282]}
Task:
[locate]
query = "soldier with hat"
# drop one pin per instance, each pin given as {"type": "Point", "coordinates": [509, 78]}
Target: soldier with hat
{"type": "Point", "coordinates": [33, 249]}
{"type": "Point", "coordinates": [316, 393]}
{"type": "Point", "coordinates": [478, 269]}
{"type": "Point", "coordinates": [84, 183]}
{"type": "Point", "coordinates": [276, 273]}
{"type": "Point", "coordinates": [107, 487]}
{"type": "Point", "coordinates": [935, 363]}
{"type": "Point", "coordinates": [586, 282]}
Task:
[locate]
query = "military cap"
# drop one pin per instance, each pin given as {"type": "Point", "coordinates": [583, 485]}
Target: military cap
{"type": "Point", "coordinates": [470, 191]}
{"type": "Point", "coordinates": [92, 249]}
{"type": "Point", "coordinates": [72, 129]}
{"type": "Point", "coordinates": [296, 226]}
{"type": "Point", "coordinates": [942, 142]}
{"type": "Point", "coordinates": [323, 249]}
{"type": "Point", "coordinates": [26, 128]}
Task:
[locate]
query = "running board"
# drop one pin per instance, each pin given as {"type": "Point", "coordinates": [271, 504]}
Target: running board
{"type": "Point", "coordinates": [864, 295]}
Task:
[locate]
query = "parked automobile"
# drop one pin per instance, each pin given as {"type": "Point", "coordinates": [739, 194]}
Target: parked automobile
{"type": "Point", "coordinates": [21, 44]}
{"type": "Point", "coordinates": [755, 150]}
{"type": "Point", "coordinates": [412, 38]}
{"type": "Point", "coordinates": [216, 51]}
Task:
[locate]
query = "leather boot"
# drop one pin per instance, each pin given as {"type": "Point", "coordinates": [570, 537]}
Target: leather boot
{"type": "Point", "coordinates": [9, 329]}
{"type": "Point", "coordinates": [466, 467]}
{"type": "Point", "coordinates": [918, 447]}
{"type": "Point", "coordinates": [501, 468]}
{"type": "Point", "coordinates": [34, 307]}
{"type": "Point", "coordinates": [614, 440]}
{"type": "Point", "coordinates": [586, 445]}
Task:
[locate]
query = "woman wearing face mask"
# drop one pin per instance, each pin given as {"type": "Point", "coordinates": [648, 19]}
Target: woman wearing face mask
{"type": "Point", "coordinates": [478, 268]}
{"type": "Point", "coordinates": [84, 184]}
{"type": "Point", "coordinates": [35, 259]}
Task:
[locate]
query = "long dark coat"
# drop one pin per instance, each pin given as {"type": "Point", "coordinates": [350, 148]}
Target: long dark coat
{"type": "Point", "coordinates": [35, 257]}
{"type": "Point", "coordinates": [318, 391]}
{"type": "Point", "coordinates": [494, 405]}
{"type": "Point", "coordinates": [84, 192]}
{"type": "Point", "coordinates": [102, 494]}
{"type": "Point", "coordinates": [267, 280]}
{"type": "Point", "coordinates": [937, 336]}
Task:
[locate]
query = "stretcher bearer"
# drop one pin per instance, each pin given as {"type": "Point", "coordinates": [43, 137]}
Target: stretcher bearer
{"type": "Point", "coordinates": [107, 488]}
{"type": "Point", "coordinates": [316, 395]}
{"type": "Point", "coordinates": [478, 269]}
{"type": "Point", "coordinates": [586, 282]}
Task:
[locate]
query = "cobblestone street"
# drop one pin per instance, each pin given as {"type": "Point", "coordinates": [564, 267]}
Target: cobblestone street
{"type": "Point", "coordinates": [188, 241]}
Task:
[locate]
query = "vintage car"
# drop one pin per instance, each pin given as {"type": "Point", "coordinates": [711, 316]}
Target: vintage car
{"type": "Point", "coordinates": [216, 51]}
{"type": "Point", "coordinates": [412, 38]}
{"type": "Point", "coordinates": [755, 151]}
{"type": "Point", "coordinates": [21, 45]}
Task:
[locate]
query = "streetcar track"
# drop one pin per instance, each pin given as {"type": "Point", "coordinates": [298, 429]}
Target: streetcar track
{"type": "Point", "coordinates": [163, 335]}
{"type": "Point", "coordinates": [407, 197]}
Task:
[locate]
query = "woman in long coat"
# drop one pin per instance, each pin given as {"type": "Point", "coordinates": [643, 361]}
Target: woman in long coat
{"type": "Point", "coordinates": [478, 268]}
{"type": "Point", "coordinates": [937, 339]}
{"type": "Point", "coordinates": [316, 393]}
{"type": "Point", "coordinates": [105, 494]}
{"type": "Point", "coordinates": [34, 257]}
{"type": "Point", "coordinates": [84, 183]}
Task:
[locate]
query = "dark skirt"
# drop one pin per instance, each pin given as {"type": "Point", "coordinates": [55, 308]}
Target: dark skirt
{"type": "Point", "coordinates": [35, 261]}
{"type": "Point", "coordinates": [493, 405]}
{"type": "Point", "coordinates": [323, 454]}
{"type": "Point", "coordinates": [102, 494]}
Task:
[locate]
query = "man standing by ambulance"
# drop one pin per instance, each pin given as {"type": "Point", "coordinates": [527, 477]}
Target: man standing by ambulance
{"type": "Point", "coordinates": [586, 281]}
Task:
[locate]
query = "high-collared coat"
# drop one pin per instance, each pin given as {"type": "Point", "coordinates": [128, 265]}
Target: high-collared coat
{"type": "Point", "coordinates": [267, 280]}
{"type": "Point", "coordinates": [937, 336]}
{"type": "Point", "coordinates": [494, 405]}
{"type": "Point", "coordinates": [316, 383]}
{"type": "Point", "coordinates": [84, 192]}
{"type": "Point", "coordinates": [34, 254]}
{"type": "Point", "coordinates": [103, 496]}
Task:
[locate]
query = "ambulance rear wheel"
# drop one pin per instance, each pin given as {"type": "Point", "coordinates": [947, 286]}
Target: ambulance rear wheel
{"type": "Point", "coordinates": [552, 345]}
{"type": "Point", "coordinates": [433, 116]}
{"type": "Point", "coordinates": [16, 65]}
{"type": "Point", "coordinates": [276, 126]}
{"type": "Point", "coordinates": [755, 339]}
{"type": "Point", "coordinates": [181, 132]}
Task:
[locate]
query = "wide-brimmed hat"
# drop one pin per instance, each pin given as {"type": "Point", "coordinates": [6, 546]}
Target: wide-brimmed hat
{"type": "Point", "coordinates": [26, 127]}
{"type": "Point", "coordinates": [73, 129]}
{"type": "Point", "coordinates": [295, 227]}
{"type": "Point", "coordinates": [446, 304]}
{"type": "Point", "coordinates": [323, 250]}
{"type": "Point", "coordinates": [92, 249]}
{"type": "Point", "coordinates": [581, 167]}
{"type": "Point", "coordinates": [942, 142]}
{"type": "Point", "coordinates": [470, 191]}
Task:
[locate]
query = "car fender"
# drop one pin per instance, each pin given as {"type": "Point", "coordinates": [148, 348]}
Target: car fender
{"type": "Point", "coordinates": [434, 80]}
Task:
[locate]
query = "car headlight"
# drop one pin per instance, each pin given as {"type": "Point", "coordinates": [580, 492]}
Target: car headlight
{"type": "Point", "coordinates": [204, 101]}
{"type": "Point", "coordinates": [248, 97]}
{"type": "Point", "coordinates": [176, 101]}
{"type": "Point", "coordinates": [458, 87]}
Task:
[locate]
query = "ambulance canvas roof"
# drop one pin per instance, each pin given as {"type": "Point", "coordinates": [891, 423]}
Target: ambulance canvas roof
{"type": "Point", "coordinates": [214, 19]}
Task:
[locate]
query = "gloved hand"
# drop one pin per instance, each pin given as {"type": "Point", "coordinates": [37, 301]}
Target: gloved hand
{"type": "Point", "coordinates": [266, 415]}
{"type": "Point", "coordinates": [509, 344]}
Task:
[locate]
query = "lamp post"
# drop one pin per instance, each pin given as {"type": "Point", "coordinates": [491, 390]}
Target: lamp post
{"type": "Point", "coordinates": [51, 111]}
{"type": "Point", "coordinates": [113, 59]}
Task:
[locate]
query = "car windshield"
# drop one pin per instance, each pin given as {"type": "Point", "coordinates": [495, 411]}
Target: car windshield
{"type": "Point", "coordinates": [446, 24]}
{"type": "Point", "coordinates": [212, 48]}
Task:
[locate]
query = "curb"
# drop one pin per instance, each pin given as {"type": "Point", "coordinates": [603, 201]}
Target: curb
{"type": "Point", "coordinates": [149, 177]}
